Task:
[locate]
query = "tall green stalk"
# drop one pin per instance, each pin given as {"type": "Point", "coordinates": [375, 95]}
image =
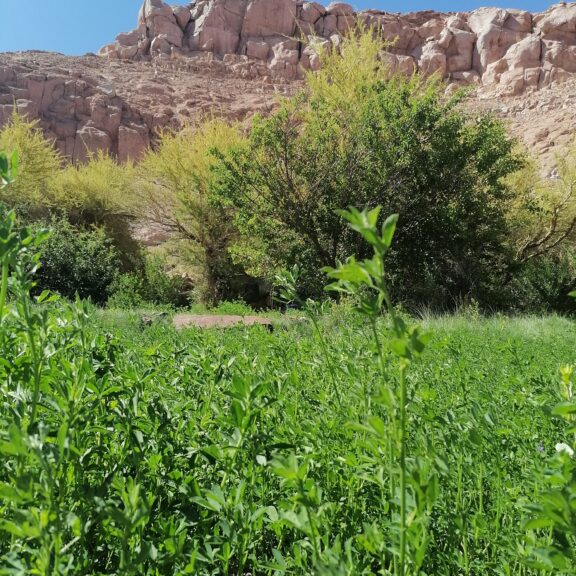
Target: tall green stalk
{"type": "Point", "coordinates": [4, 286]}
{"type": "Point", "coordinates": [403, 439]}
{"type": "Point", "coordinates": [366, 282]}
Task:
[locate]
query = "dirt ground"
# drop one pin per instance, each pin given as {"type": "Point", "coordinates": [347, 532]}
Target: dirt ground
{"type": "Point", "coordinates": [208, 321]}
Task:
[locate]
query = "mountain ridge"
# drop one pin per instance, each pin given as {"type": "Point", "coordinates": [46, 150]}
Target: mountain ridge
{"type": "Point", "coordinates": [231, 57]}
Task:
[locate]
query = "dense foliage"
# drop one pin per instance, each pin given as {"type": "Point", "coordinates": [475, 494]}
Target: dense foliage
{"type": "Point", "coordinates": [154, 452]}
{"type": "Point", "coordinates": [149, 285]}
{"type": "Point", "coordinates": [133, 450]}
{"type": "Point", "coordinates": [357, 137]}
{"type": "Point", "coordinates": [176, 189]}
{"type": "Point", "coordinates": [78, 262]}
{"type": "Point", "coordinates": [234, 206]}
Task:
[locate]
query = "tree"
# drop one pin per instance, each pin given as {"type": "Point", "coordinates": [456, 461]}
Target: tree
{"type": "Point", "coordinates": [544, 216]}
{"type": "Point", "coordinates": [358, 136]}
{"type": "Point", "coordinates": [38, 164]}
{"type": "Point", "coordinates": [175, 186]}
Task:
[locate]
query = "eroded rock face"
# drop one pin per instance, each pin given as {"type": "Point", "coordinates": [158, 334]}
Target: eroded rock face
{"type": "Point", "coordinates": [509, 50]}
{"type": "Point", "coordinates": [87, 104]}
{"type": "Point", "coordinates": [82, 115]}
{"type": "Point", "coordinates": [230, 57]}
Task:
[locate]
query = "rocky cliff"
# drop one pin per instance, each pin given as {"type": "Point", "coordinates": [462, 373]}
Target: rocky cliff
{"type": "Point", "coordinates": [512, 50]}
{"type": "Point", "coordinates": [231, 56]}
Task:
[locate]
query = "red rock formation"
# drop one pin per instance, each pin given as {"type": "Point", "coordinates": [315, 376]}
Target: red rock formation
{"type": "Point", "coordinates": [230, 57]}
{"type": "Point", "coordinates": [510, 50]}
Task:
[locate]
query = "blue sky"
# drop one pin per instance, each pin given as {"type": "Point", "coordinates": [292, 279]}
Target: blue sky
{"type": "Point", "coordinates": [80, 26]}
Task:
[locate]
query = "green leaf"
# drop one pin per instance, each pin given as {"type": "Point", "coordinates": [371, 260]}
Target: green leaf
{"type": "Point", "coordinates": [388, 229]}
{"type": "Point", "coordinates": [400, 348]}
{"type": "Point", "coordinates": [564, 409]}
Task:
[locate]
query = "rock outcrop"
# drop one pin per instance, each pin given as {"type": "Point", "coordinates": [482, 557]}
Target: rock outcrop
{"type": "Point", "coordinates": [230, 57]}
{"type": "Point", "coordinates": [509, 50]}
{"type": "Point", "coordinates": [86, 104]}
{"type": "Point", "coordinates": [81, 113]}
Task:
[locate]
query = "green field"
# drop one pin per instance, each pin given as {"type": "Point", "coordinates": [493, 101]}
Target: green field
{"type": "Point", "coordinates": [153, 451]}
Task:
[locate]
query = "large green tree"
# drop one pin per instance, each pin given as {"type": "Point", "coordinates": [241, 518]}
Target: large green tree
{"type": "Point", "coordinates": [358, 136]}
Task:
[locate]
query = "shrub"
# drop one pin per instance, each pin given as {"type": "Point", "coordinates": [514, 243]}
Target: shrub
{"type": "Point", "coordinates": [543, 284]}
{"type": "Point", "coordinates": [356, 136]}
{"type": "Point", "coordinates": [176, 188]}
{"type": "Point", "coordinates": [234, 308]}
{"type": "Point", "coordinates": [98, 193]}
{"type": "Point", "coordinates": [77, 261]}
{"type": "Point", "coordinates": [149, 285]}
{"type": "Point", "coordinates": [38, 164]}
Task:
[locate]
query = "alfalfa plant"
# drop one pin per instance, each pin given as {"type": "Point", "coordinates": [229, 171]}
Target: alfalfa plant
{"type": "Point", "coordinates": [554, 512]}
{"type": "Point", "coordinates": [412, 485]}
{"type": "Point", "coordinates": [366, 282]}
{"type": "Point", "coordinates": [552, 523]}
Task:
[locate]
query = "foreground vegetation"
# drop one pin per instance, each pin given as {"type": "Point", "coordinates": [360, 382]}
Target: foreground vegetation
{"type": "Point", "coordinates": [227, 452]}
{"type": "Point", "coordinates": [351, 444]}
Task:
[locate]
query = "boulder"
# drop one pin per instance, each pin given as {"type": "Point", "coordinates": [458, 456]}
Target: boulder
{"type": "Point", "coordinates": [558, 23]}
{"type": "Point", "coordinates": [399, 64]}
{"type": "Point", "coordinates": [311, 12]}
{"type": "Point", "coordinates": [217, 28]}
{"type": "Point", "coordinates": [132, 142]}
{"type": "Point", "coordinates": [432, 60]}
{"type": "Point", "coordinates": [340, 9]}
{"type": "Point", "coordinates": [257, 49]}
{"type": "Point", "coordinates": [182, 15]}
{"type": "Point", "coordinates": [460, 50]}
{"type": "Point", "coordinates": [270, 18]}
{"type": "Point", "coordinates": [90, 140]}
{"type": "Point", "coordinates": [160, 45]}
{"type": "Point", "coordinates": [152, 9]}
{"type": "Point", "coordinates": [127, 52]}
{"type": "Point", "coordinates": [557, 54]}
{"type": "Point", "coordinates": [130, 38]}
{"type": "Point", "coordinates": [167, 27]}
{"type": "Point", "coordinates": [497, 30]}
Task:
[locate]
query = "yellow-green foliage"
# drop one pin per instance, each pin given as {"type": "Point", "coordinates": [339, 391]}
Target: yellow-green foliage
{"type": "Point", "coordinates": [95, 190]}
{"type": "Point", "coordinates": [345, 73]}
{"type": "Point", "coordinates": [175, 184]}
{"type": "Point", "coordinates": [38, 163]}
{"type": "Point", "coordinates": [543, 214]}
{"type": "Point", "coordinates": [89, 193]}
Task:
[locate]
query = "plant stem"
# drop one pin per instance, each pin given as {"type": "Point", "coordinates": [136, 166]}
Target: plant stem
{"type": "Point", "coordinates": [4, 287]}
{"type": "Point", "coordinates": [403, 469]}
{"type": "Point", "coordinates": [327, 356]}
{"type": "Point", "coordinates": [36, 364]}
{"type": "Point", "coordinates": [378, 344]}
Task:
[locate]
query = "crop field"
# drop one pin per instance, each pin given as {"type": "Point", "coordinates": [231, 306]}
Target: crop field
{"type": "Point", "coordinates": [223, 360]}
{"type": "Point", "coordinates": [146, 450]}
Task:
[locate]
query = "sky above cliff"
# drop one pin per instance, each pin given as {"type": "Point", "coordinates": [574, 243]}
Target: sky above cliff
{"type": "Point", "coordinates": [80, 26]}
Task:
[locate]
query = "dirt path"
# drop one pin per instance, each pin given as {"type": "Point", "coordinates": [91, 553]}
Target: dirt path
{"type": "Point", "coordinates": [208, 321]}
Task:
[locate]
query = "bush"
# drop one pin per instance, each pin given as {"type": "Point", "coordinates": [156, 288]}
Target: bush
{"type": "Point", "coordinates": [98, 193]}
{"type": "Point", "coordinates": [150, 285]}
{"type": "Point", "coordinates": [234, 308]}
{"type": "Point", "coordinates": [542, 284]}
{"type": "Point", "coordinates": [176, 187]}
{"type": "Point", "coordinates": [38, 164]}
{"type": "Point", "coordinates": [76, 261]}
{"type": "Point", "coordinates": [358, 137]}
